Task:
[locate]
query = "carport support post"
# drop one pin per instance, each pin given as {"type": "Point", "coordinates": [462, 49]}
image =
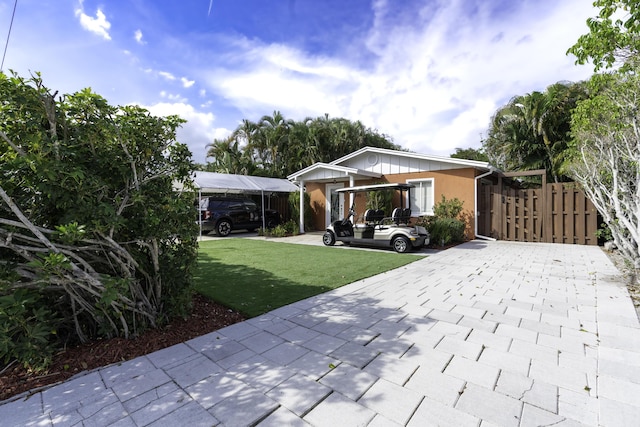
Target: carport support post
{"type": "Point", "coordinates": [264, 222]}
{"type": "Point", "coordinates": [301, 222]}
{"type": "Point", "coordinates": [199, 211]}
{"type": "Point", "coordinates": [352, 196]}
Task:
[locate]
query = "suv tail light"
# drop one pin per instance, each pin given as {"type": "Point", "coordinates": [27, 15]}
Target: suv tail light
{"type": "Point", "coordinates": [207, 215]}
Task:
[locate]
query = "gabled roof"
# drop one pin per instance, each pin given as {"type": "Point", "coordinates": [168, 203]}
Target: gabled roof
{"type": "Point", "coordinates": [396, 153]}
{"type": "Point", "coordinates": [329, 167]}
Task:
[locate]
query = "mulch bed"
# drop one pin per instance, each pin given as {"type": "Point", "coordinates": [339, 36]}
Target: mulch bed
{"type": "Point", "coordinates": [207, 316]}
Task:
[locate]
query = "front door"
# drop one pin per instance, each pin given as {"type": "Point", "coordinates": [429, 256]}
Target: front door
{"type": "Point", "coordinates": [334, 203]}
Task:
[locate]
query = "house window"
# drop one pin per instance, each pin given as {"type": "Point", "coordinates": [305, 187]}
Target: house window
{"type": "Point", "coordinates": [421, 197]}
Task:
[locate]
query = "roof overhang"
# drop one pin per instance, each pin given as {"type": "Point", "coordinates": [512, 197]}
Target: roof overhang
{"type": "Point", "coordinates": [482, 166]}
{"type": "Point", "coordinates": [325, 172]}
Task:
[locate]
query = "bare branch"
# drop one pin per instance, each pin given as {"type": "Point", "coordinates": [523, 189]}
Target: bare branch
{"type": "Point", "coordinates": [12, 145]}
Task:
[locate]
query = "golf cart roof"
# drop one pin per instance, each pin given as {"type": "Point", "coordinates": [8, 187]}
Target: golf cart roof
{"type": "Point", "coordinates": [375, 187]}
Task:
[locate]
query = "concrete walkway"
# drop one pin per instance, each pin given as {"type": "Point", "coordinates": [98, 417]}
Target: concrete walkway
{"type": "Point", "coordinates": [484, 334]}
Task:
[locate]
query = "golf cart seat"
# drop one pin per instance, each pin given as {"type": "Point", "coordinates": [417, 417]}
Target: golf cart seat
{"type": "Point", "coordinates": [373, 216]}
{"type": "Point", "coordinates": [406, 215]}
{"type": "Point", "coordinates": [401, 216]}
{"type": "Point", "coordinates": [369, 215]}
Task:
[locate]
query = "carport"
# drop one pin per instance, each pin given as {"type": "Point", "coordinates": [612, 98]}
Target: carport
{"type": "Point", "coordinates": [223, 183]}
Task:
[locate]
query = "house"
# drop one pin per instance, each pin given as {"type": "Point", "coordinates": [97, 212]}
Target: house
{"type": "Point", "coordinates": [433, 177]}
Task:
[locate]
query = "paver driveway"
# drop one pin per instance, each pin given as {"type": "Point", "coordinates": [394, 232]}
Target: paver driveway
{"type": "Point", "coordinates": [487, 333]}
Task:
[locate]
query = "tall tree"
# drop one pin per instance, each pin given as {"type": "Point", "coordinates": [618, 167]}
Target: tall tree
{"type": "Point", "coordinates": [606, 156]}
{"type": "Point", "coordinates": [613, 37]}
{"type": "Point", "coordinates": [532, 130]}
{"type": "Point", "coordinates": [470, 154]}
{"type": "Point", "coordinates": [227, 157]}
{"type": "Point", "coordinates": [277, 147]}
{"type": "Point", "coordinates": [273, 137]}
{"type": "Point", "coordinates": [606, 145]}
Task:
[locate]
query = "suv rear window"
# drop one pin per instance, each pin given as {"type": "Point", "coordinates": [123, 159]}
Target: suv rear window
{"type": "Point", "coordinates": [234, 205]}
{"type": "Point", "coordinates": [251, 206]}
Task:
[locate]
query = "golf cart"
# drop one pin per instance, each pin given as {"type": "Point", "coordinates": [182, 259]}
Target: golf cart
{"type": "Point", "coordinates": [374, 228]}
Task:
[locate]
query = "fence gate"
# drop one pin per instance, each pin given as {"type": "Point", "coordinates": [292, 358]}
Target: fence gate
{"type": "Point", "coordinates": [553, 213]}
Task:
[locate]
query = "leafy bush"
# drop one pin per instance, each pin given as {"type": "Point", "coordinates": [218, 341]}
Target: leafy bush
{"type": "Point", "coordinates": [27, 329]}
{"type": "Point", "coordinates": [445, 225]}
{"type": "Point", "coordinates": [294, 203]}
{"type": "Point", "coordinates": [277, 231]}
{"type": "Point", "coordinates": [604, 233]}
{"type": "Point", "coordinates": [94, 242]}
{"type": "Point", "coordinates": [289, 228]}
{"type": "Point", "coordinates": [451, 208]}
{"type": "Point", "coordinates": [446, 230]}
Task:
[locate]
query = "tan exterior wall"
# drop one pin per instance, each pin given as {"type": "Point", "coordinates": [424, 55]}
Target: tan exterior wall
{"type": "Point", "coordinates": [317, 197]}
{"type": "Point", "coordinates": [453, 183]}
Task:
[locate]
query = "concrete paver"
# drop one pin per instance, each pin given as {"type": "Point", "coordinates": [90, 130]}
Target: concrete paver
{"type": "Point", "coordinates": [439, 387]}
{"type": "Point", "coordinates": [350, 381]}
{"type": "Point", "coordinates": [392, 401]}
{"type": "Point", "coordinates": [473, 372]}
{"type": "Point", "coordinates": [489, 405]}
{"type": "Point", "coordinates": [337, 410]}
{"type": "Point", "coordinates": [299, 394]}
{"type": "Point", "coordinates": [483, 334]}
{"type": "Point", "coordinates": [432, 413]}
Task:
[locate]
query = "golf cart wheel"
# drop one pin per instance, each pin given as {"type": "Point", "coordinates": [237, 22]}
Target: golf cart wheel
{"type": "Point", "coordinates": [223, 228]}
{"type": "Point", "coordinates": [329, 239]}
{"type": "Point", "coordinates": [401, 244]}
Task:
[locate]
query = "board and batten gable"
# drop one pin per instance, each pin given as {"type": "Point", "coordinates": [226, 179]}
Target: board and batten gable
{"type": "Point", "coordinates": [397, 163]}
{"type": "Point", "coordinates": [324, 172]}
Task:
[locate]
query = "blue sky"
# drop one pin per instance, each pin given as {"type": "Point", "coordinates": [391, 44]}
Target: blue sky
{"type": "Point", "coordinates": [428, 73]}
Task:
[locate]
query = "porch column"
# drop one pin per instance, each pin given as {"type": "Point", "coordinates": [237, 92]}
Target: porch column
{"type": "Point", "coordinates": [351, 195]}
{"type": "Point", "coordinates": [301, 183]}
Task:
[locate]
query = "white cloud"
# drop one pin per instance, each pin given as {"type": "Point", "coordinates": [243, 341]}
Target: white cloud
{"type": "Point", "coordinates": [138, 36]}
{"type": "Point", "coordinates": [281, 77]}
{"type": "Point", "coordinates": [98, 25]}
{"type": "Point", "coordinates": [167, 75]}
{"type": "Point", "coordinates": [172, 96]}
{"type": "Point", "coordinates": [437, 77]}
{"type": "Point", "coordinates": [186, 83]}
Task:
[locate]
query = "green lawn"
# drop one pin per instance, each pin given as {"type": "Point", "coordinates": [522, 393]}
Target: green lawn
{"type": "Point", "coordinates": [254, 276]}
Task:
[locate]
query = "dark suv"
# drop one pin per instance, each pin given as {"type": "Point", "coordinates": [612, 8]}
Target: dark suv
{"type": "Point", "coordinates": [223, 214]}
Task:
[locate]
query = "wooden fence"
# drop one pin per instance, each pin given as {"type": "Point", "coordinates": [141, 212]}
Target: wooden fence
{"type": "Point", "coordinates": [554, 213]}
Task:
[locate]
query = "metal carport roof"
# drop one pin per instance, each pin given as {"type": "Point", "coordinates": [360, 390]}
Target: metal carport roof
{"type": "Point", "coordinates": [213, 182]}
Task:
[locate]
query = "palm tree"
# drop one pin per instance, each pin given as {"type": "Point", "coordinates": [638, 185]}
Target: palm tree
{"type": "Point", "coordinates": [532, 130]}
{"type": "Point", "coordinates": [228, 157]}
{"type": "Point", "coordinates": [277, 147]}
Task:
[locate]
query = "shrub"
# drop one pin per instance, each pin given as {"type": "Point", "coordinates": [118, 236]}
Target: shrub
{"type": "Point", "coordinates": [445, 226]}
{"type": "Point", "coordinates": [289, 228]}
{"type": "Point", "coordinates": [451, 208]}
{"type": "Point", "coordinates": [294, 203]}
{"type": "Point", "coordinates": [93, 239]}
{"type": "Point", "coordinates": [604, 233]}
{"type": "Point", "coordinates": [27, 329]}
{"type": "Point", "coordinates": [446, 230]}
